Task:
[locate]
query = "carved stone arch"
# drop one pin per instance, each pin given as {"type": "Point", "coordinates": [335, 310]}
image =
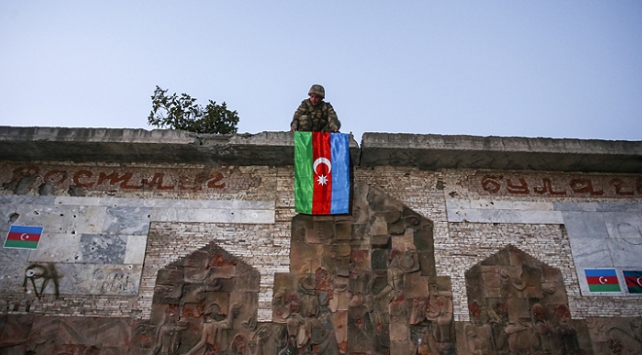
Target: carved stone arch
{"type": "Point", "coordinates": [365, 283]}
{"type": "Point", "coordinates": [205, 301]}
{"type": "Point", "coordinates": [519, 304]}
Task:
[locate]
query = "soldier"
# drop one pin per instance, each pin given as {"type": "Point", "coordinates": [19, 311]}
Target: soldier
{"type": "Point", "coordinates": [314, 114]}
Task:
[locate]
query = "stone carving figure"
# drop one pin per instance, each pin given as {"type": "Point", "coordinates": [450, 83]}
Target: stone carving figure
{"type": "Point", "coordinates": [498, 319]}
{"type": "Point", "coordinates": [439, 311]}
{"type": "Point", "coordinates": [509, 281]}
{"type": "Point", "coordinates": [626, 339]}
{"type": "Point", "coordinates": [565, 331]}
{"type": "Point", "coordinates": [478, 339]}
{"type": "Point", "coordinates": [215, 328]}
{"type": "Point", "coordinates": [542, 329]}
{"type": "Point", "coordinates": [285, 304]}
{"type": "Point", "coordinates": [519, 336]}
{"type": "Point", "coordinates": [309, 306]}
{"type": "Point", "coordinates": [167, 333]}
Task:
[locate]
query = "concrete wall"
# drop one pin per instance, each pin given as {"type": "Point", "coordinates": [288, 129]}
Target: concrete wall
{"type": "Point", "coordinates": [117, 206]}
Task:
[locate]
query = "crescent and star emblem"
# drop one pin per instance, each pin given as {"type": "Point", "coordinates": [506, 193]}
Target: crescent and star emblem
{"type": "Point", "coordinates": [602, 281]}
{"type": "Point", "coordinates": [24, 236]}
{"type": "Point", "coordinates": [638, 281]}
{"type": "Point", "coordinates": [322, 178]}
{"type": "Point", "coordinates": [322, 160]}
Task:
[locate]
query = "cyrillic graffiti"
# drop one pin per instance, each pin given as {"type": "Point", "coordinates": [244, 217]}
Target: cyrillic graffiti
{"type": "Point", "coordinates": [561, 185]}
{"type": "Point", "coordinates": [101, 178]}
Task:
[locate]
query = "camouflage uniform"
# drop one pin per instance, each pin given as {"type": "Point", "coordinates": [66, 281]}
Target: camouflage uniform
{"type": "Point", "coordinates": [319, 118]}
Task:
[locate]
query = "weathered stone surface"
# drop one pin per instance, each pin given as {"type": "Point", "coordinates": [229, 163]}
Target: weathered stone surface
{"type": "Point", "coordinates": [372, 293]}
{"type": "Point", "coordinates": [307, 256]}
{"type": "Point", "coordinates": [379, 259]}
{"type": "Point", "coordinates": [434, 152]}
{"type": "Point", "coordinates": [380, 241]}
{"type": "Point", "coordinates": [516, 307]}
{"type": "Point", "coordinates": [615, 336]}
{"type": "Point", "coordinates": [415, 285]}
{"type": "Point", "coordinates": [321, 232]}
{"type": "Point", "coordinates": [138, 145]}
{"type": "Point", "coordinates": [343, 231]}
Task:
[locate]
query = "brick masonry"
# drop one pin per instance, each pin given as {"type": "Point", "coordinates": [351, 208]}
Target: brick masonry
{"type": "Point", "coordinates": [475, 214]}
{"type": "Point", "coordinates": [458, 245]}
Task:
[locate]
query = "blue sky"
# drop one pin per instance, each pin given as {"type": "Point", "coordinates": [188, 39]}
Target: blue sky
{"type": "Point", "coordinates": [562, 69]}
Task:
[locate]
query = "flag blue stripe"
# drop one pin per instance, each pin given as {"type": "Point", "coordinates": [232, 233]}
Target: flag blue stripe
{"type": "Point", "coordinates": [600, 272]}
{"type": "Point", "coordinates": [25, 229]}
{"type": "Point", "coordinates": [632, 273]}
{"type": "Point", "coordinates": [339, 145]}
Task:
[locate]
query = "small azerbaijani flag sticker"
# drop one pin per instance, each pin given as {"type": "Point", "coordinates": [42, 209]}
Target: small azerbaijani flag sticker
{"type": "Point", "coordinates": [602, 280]}
{"type": "Point", "coordinates": [633, 280]}
{"type": "Point", "coordinates": [23, 237]}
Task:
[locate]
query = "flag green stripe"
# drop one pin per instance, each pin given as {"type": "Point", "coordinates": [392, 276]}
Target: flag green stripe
{"type": "Point", "coordinates": [604, 288]}
{"type": "Point", "coordinates": [635, 289]}
{"type": "Point", "coordinates": [20, 244]}
{"type": "Point", "coordinates": [303, 175]}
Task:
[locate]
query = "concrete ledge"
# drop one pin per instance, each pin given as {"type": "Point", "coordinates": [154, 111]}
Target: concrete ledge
{"type": "Point", "coordinates": [62, 134]}
{"type": "Point", "coordinates": [427, 151]}
{"type": "Point", "coordinates": [432, 152]}
{"type": "Point", "coordinates": [142, 146]}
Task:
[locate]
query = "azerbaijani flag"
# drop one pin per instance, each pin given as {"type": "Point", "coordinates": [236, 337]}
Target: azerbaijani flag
{"type": "Point", "coordinates": [602, 280]}
{"type": "Point", "coordinates": [633, 280]}
{"type": "Point", "coordinates": [321, 173]}
{"type": "Point", "coordinates": [24, 237]}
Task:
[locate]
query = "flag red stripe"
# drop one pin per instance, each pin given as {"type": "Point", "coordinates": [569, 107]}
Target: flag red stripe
{"type": "Point", "coordinates": [322, 198]}
{"type": "Point", "coordinates": [606, 280]}
{"type": "Point", "coordinates": [23, 236]}
{"type": "Point", "coordinates": [632, 281]}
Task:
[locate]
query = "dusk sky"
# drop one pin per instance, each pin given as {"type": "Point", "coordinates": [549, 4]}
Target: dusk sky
{"type": "Point", "coordinates": [561, 69]}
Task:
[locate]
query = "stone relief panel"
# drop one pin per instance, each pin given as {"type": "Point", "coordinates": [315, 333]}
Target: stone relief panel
{"type": "Point", "coordinates": [359, 284]}
{"type": "Point", "coordinates": [519, 305]}
{"type": "Point", "coordinates": [64, 335]}
{"type": "Point", "coordinates": [204, 303]}
{"type": "Point", "coordinates": [621, 336]}
{"type": "Point", "coordinates": [365, 283]}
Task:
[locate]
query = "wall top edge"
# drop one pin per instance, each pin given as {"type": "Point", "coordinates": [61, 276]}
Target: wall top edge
{"type": "Point", "coordinates": [424, 151]}
{"type": "Point", "coordinates": [499, 143]}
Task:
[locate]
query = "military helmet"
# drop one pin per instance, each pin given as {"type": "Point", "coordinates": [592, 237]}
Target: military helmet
{"type": "Point", "coordinates": [317, 90]}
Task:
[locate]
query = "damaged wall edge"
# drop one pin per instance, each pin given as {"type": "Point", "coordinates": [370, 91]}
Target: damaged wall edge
{"type": "Point", "coordinates": [423, 151]}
